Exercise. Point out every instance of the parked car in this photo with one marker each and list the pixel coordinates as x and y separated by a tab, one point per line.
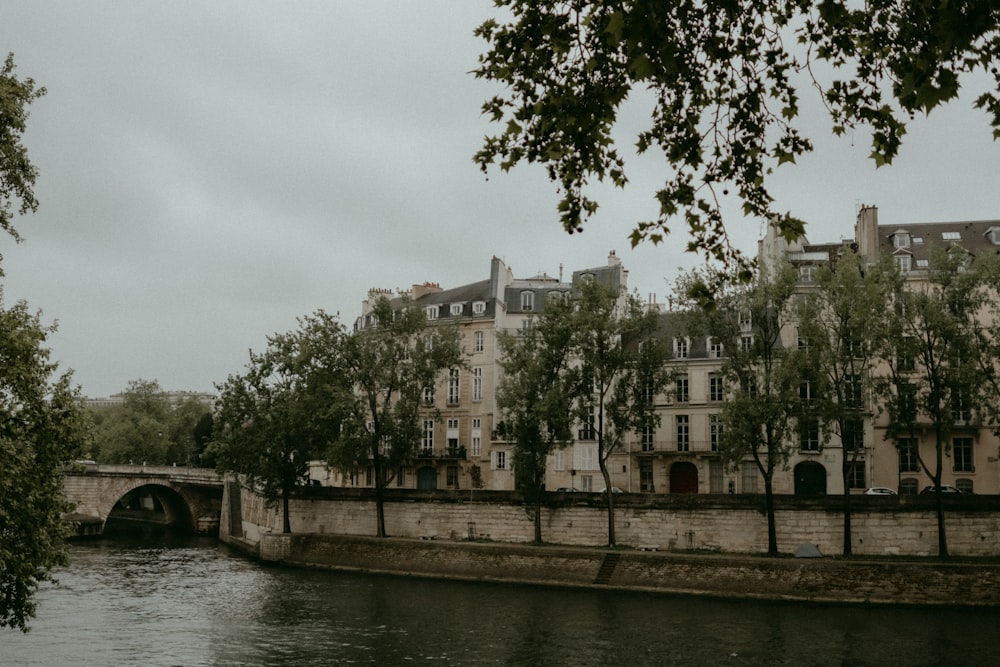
944	488
880	491
567	489
614	489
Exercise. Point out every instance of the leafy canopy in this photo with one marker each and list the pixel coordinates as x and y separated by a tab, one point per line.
725	77
17	174
41	428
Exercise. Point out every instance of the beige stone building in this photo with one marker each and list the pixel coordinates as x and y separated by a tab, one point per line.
464	448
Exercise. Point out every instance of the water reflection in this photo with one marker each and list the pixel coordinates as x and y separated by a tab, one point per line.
154	599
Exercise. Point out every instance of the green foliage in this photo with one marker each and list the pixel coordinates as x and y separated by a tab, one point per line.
938	365
146	428
534	396
41	428
283	411
762	372
17	174
837	323
386	368
725	78
618	368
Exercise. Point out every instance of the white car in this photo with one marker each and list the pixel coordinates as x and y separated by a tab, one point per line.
880	491
614	489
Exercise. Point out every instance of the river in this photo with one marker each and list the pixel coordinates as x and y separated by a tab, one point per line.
145	597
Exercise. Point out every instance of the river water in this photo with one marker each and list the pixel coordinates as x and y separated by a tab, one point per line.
150	598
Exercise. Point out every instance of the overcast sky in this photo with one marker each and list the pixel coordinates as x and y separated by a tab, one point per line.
209	171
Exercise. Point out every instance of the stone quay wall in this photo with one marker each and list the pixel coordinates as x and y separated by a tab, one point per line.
894	526
718	576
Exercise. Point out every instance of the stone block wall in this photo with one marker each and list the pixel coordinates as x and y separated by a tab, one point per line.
903	527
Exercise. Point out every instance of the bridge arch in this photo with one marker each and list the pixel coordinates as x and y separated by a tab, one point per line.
177	509
191	498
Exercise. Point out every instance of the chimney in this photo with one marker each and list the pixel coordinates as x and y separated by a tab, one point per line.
866	233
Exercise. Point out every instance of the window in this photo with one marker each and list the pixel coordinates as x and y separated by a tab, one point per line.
906	403
714	348
854	434
478	307
429	342
807	273
806	392
803	342
960	410
746	344
964	485
681	392
906	359
477	437
646	476
477	341
749	476
586	457
527	300
500	460
646	438
853	391
431	312
586	483
903	263
456	309
715	387
961	453
683	433
428	395
715	476
453	386
427	444
908	487
682	348
714	433
808	434
746	322
901	240
587	430
908	461
452	435
401	476
856	475
951	236
558	460
477	383
452	477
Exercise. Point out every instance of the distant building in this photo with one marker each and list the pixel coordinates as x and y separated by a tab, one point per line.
175	398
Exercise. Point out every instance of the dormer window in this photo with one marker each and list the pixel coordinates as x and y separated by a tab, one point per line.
993	234
901	240
478	307
432	312
527	301
456	309
903	263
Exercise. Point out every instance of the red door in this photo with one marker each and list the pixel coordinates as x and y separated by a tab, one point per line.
683	478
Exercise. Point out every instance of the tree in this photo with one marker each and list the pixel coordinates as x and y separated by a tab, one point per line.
137	431
282	412
41	429
387	367
725	82
534	397
836	324
934	374
766	377
17	174
619	367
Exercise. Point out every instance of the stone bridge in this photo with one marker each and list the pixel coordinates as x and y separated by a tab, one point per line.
191	498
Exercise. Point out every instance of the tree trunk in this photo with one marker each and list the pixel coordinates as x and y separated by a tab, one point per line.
610	497
847	509
538	516
772	533
286	526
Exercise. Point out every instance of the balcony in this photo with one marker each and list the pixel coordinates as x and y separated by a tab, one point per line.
442	453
